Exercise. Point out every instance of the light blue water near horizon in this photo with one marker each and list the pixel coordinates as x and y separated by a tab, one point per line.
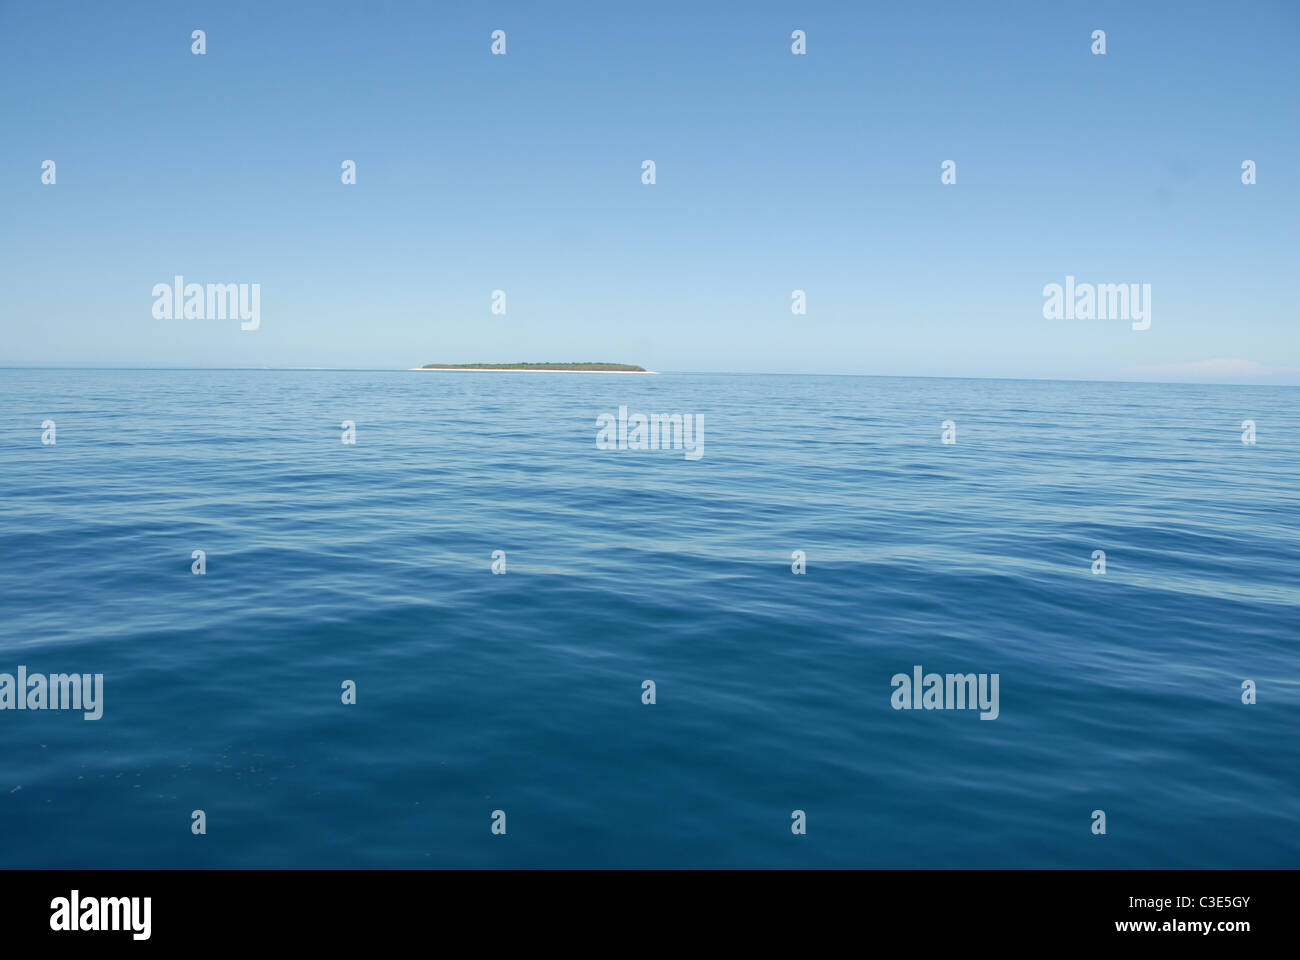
328	562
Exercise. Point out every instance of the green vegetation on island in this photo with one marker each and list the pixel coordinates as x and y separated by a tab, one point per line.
595	367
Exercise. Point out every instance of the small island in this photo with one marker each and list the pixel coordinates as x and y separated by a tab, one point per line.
588	367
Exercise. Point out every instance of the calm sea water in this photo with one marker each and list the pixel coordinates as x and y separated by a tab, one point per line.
522	692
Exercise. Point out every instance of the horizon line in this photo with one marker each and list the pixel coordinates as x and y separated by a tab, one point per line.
725	373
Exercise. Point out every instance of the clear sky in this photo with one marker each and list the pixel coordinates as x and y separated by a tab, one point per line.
774	172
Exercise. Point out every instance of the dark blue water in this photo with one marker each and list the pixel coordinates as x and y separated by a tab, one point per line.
522	692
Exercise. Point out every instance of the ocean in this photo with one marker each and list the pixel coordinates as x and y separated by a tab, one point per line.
516	700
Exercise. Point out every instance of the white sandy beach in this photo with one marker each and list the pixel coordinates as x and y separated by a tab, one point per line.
637	373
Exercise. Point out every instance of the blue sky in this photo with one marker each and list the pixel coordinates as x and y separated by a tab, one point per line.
775	172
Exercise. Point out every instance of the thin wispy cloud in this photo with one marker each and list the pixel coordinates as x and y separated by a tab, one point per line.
1220	368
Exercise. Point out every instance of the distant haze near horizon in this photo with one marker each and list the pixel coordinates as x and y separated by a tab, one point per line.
1189	381
775	173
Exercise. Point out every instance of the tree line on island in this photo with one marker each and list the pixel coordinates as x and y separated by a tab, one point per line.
611	367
